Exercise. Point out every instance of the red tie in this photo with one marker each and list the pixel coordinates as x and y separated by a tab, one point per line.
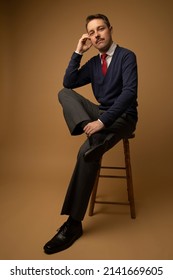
104	63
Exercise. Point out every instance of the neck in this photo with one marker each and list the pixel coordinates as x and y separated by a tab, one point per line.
106	48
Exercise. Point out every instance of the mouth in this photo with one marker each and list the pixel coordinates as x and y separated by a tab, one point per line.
99	41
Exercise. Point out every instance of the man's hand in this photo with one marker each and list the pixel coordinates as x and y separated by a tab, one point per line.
84	44
93	127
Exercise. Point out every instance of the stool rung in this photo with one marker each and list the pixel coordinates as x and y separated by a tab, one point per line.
113	167
112	202
113	176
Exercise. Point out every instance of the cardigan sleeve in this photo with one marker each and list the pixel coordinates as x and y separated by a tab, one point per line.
75	76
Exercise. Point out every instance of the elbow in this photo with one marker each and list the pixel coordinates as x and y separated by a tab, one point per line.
66	84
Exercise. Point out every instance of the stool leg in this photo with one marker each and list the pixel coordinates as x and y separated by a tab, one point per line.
93	195
129	178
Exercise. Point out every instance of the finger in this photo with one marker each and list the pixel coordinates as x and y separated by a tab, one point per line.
85	36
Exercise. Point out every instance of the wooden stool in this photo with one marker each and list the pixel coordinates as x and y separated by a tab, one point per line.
128	176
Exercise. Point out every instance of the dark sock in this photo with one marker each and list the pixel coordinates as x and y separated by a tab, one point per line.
84	123
79	128
73	221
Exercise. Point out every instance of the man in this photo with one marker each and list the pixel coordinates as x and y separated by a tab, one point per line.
113	76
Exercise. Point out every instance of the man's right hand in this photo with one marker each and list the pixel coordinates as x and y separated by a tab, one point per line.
84	44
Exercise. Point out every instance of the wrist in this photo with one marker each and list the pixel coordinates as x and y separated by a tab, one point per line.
78	52
101	122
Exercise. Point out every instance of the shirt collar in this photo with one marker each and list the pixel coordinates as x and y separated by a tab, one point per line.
111	49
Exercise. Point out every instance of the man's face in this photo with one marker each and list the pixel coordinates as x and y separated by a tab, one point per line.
99	34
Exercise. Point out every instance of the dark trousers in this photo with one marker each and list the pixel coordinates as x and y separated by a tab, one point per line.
77	109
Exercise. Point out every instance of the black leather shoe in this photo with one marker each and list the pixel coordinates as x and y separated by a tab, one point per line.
66	236
95	151
98	149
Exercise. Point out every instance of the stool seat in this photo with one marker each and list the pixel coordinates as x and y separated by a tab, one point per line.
127	176
130	136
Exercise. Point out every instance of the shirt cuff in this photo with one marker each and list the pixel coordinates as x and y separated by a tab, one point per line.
78	53
100	121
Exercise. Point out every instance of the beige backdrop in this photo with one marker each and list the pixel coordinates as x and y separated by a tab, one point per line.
37	152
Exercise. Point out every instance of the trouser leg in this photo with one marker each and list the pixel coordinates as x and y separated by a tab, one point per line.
85	172
76	109
81	185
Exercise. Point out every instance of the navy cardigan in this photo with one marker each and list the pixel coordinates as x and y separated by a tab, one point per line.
116	92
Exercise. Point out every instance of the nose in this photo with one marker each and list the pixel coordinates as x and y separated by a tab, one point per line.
97	35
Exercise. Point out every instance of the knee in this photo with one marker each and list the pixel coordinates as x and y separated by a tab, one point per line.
61	94
67	95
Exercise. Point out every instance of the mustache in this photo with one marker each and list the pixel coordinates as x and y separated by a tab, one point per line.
99	40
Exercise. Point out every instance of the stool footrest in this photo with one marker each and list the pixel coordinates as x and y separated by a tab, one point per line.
113	167
112	202
113	176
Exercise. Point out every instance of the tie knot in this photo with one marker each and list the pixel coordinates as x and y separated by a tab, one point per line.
103	56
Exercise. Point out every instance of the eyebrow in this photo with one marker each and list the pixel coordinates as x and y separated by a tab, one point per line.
103	25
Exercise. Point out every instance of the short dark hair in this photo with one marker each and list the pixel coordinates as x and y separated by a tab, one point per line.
98	16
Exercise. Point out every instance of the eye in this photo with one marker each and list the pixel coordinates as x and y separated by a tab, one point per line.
101	28
91	33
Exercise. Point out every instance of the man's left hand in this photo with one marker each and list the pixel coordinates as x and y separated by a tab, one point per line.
93	127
